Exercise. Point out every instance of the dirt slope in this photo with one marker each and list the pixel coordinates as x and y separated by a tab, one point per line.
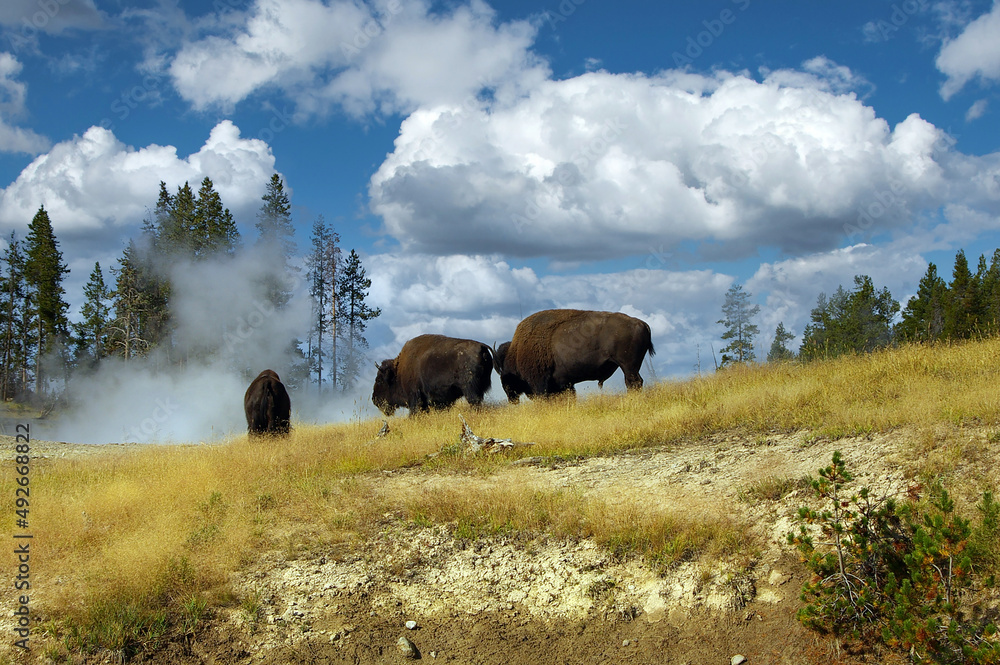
493	601
496	601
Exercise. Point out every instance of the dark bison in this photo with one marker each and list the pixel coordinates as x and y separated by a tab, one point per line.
555	349
267	405
433	371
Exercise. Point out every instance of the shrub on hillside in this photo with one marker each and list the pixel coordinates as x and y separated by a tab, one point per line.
896	573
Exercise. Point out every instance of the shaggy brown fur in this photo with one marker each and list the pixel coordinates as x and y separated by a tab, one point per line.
267	406
554	349
433	371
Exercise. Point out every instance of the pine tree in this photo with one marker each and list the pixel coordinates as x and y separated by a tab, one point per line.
274	220
779	352
295	376
126	334
324	264
353	317
181	226
828	333
923	317
962	310
868	325
275	231
92	332
176	222
856	321
814	337
157	322
157	225
214	229
737	313
990	296
154	249
44	271
16	349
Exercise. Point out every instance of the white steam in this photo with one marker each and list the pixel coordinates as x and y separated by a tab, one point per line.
225	333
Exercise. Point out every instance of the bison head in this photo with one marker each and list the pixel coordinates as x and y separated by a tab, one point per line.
514	386
385	386
499	356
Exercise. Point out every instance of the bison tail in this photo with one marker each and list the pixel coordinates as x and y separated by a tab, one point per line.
265	408
483	380
649	340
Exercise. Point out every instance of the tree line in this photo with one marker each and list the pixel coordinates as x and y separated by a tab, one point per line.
132	313
863	318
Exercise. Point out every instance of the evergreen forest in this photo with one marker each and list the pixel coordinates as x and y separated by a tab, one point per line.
131	310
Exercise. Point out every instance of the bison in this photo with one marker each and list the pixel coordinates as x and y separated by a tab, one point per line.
267	405
433	371
555	349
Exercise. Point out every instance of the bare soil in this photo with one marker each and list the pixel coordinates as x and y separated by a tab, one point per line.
542	600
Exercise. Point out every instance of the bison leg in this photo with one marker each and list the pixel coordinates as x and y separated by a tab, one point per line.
633	381
554	387
472	395
513	388
417	402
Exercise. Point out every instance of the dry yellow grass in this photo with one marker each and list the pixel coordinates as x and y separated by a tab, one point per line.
149	531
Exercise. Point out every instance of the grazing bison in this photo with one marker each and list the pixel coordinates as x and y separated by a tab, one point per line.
556	348
433	371
267	405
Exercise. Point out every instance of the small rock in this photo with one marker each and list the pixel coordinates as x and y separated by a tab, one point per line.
411	625
737	660
625	643
409	649
777	578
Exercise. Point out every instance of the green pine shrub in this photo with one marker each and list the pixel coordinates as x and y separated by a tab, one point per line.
897	574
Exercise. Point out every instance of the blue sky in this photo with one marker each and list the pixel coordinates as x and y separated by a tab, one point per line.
491	160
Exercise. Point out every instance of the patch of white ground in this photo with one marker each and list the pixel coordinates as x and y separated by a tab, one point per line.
425	572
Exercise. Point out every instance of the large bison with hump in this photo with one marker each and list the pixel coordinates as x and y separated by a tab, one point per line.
267	406
433	371
555	349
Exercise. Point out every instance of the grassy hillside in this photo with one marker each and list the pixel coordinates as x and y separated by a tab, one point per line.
136	545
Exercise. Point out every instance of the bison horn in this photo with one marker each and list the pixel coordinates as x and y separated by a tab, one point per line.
377	366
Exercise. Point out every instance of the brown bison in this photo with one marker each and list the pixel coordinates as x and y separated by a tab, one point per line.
555	349
267	405
433	371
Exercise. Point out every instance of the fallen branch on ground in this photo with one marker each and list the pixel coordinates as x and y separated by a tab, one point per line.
490	444
381	434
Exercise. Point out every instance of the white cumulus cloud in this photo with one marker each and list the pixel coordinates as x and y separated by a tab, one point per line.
362	57
12	106
607	165
974	53
94	182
